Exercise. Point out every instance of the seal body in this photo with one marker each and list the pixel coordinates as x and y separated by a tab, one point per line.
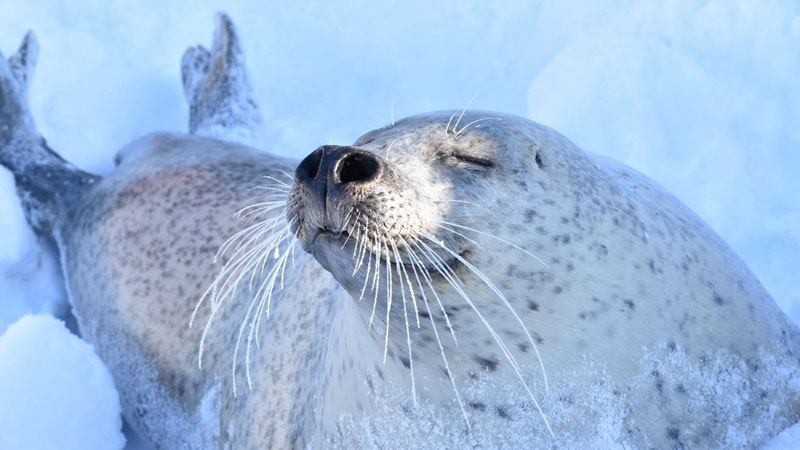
595	260
456	279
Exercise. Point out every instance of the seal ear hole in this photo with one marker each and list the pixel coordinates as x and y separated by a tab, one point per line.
538	159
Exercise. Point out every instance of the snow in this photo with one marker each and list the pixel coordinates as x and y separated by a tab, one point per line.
29	278
702	96
788	440
55	391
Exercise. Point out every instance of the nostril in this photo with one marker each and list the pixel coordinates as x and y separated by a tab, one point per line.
357	168
309	166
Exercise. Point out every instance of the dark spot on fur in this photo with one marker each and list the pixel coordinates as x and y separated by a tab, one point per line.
487	364
406	362
523	347
718	300
503	413
477	406
538	159
629	303
673	433
672	346
652	265
557	290
533	306
658	381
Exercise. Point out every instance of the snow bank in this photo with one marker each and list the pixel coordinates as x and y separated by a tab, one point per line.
704	98
55	393
30	278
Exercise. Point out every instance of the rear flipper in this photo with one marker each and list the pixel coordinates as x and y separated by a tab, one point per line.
46	183
217	88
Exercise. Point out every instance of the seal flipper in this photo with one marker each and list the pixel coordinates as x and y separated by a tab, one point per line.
218	90
46	183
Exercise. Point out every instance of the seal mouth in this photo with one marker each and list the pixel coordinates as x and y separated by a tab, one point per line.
326	232
442	269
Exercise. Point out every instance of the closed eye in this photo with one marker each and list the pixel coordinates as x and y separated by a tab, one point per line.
473	160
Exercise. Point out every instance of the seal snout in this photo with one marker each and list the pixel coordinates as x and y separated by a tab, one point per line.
330	177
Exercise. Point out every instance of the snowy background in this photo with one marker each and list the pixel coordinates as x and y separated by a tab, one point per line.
702	96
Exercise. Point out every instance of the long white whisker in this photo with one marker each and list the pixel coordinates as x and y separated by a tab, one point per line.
473	122
405	316
462	235
213	289
497	337
376	280
436	334
277	181
455	126
498	239
435	295
388	302
290	177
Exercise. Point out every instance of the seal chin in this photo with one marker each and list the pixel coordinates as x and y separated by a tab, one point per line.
326	246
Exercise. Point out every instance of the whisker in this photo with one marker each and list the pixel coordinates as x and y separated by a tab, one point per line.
447	127
388	302
290	177
350	233
277	180
473	122
366	276
455	126
462	235
498	339
408	280
428	279
436	334
376	279
498	239
346	220
405	316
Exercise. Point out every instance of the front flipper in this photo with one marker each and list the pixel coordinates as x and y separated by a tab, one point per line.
218	90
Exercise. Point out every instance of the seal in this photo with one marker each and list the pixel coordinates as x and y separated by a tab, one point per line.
468	279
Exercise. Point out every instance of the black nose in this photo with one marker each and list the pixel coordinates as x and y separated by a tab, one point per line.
328	170
331	166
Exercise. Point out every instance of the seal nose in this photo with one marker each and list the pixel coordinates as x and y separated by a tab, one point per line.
337	165
329	169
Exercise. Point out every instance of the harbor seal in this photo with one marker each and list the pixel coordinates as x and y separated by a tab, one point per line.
454	279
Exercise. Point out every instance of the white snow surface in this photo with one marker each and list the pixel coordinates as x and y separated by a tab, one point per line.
55	393
702	96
